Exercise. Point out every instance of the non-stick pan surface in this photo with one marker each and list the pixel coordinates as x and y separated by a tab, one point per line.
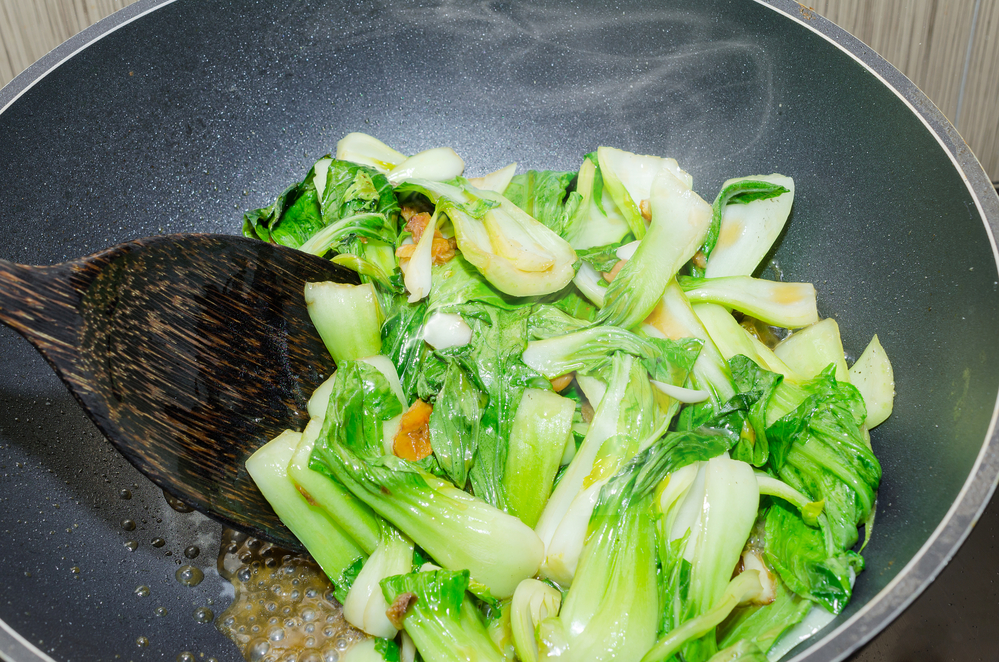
183	118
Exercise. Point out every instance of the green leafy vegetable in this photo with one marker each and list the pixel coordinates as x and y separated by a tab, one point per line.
752	242
442	621
543	196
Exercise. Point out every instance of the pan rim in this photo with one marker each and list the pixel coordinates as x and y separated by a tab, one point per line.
976	492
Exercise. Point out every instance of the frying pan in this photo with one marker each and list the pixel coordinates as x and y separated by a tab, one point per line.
177	116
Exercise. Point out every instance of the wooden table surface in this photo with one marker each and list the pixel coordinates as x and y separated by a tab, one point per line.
949	48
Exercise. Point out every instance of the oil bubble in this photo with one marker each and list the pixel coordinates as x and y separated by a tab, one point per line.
186	656
204	615
257	650
188	575
142	642
142	591
124	494
176	503
160	611
158	542
192	552
128	525
131	545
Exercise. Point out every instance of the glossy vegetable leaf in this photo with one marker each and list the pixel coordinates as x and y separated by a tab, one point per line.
601	258
454	424
543	195
442	621
596	220
806	561
457	282
492	361
827	457
294	217
590	349
741	191
361	402
352	189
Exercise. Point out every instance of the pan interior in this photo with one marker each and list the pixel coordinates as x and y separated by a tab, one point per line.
200	110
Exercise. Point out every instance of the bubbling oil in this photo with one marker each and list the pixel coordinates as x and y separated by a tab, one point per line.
284	606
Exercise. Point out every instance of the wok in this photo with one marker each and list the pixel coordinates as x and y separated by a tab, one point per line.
176	116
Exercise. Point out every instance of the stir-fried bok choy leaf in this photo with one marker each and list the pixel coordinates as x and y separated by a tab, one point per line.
435	609
567	421
679	220
748	215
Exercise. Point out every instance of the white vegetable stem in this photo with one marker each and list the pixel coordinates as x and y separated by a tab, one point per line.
331	305
748	231
365	605
445	330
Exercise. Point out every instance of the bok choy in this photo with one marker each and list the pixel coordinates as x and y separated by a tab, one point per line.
567	421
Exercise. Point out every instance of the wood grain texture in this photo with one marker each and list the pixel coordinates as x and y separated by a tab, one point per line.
928	41
979	120
31	28
189	352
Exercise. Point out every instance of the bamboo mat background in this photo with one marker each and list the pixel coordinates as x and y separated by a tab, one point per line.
949	48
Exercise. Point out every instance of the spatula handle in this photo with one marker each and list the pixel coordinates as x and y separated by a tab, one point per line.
42	304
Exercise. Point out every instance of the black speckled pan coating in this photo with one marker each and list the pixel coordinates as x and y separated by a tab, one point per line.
200	109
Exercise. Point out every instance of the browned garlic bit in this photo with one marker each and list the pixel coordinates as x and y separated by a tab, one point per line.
645	206
284	607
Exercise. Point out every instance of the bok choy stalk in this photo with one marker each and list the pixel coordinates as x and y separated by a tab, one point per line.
612	609
332	547
597	221
732	340
497	180
435	610
533	602
709	509
873	376
809	350
515	253
628	178
747	217
788	305
674	318
437	164
626	422
329	304
359	521
541	428
365	607
458	530
679	220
